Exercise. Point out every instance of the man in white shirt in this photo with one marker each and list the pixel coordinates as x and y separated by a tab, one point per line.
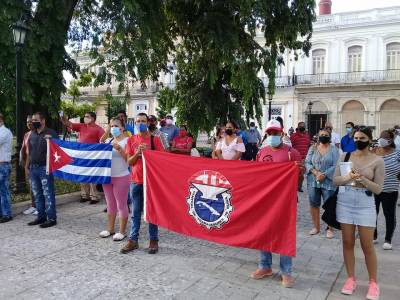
5	172
335	138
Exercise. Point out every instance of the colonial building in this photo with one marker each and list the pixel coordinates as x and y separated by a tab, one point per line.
352	73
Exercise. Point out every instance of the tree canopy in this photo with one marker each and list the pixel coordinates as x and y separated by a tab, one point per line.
211	42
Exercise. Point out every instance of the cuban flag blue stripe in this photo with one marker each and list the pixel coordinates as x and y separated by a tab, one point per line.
82	178
91	163
82	146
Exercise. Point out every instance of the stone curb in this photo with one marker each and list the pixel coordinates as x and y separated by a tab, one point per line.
18	208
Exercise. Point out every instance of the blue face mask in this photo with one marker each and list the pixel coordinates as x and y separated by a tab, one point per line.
349	130
115	131
274	140
140	127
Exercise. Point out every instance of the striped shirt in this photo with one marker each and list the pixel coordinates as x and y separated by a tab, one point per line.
392	170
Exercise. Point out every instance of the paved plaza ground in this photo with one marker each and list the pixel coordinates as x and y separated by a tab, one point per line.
70	261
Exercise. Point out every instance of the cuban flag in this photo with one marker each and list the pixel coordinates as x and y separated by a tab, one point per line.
79	162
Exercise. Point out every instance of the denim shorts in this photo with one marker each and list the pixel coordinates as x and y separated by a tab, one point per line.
315	195
354	206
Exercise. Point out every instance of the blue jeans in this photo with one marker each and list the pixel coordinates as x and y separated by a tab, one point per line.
136	195
285	262
315	195
43	192
5	196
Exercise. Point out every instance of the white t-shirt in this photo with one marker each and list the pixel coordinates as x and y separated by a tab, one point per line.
119	167
335	138
229	151
397	142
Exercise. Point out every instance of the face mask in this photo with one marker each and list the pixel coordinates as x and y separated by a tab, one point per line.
324	139
228	131
115	131
86	120
384	142
360	145
36	125
274	140
349	129
302	129
168	121
252	128
182	133
398	131
152	127
141	127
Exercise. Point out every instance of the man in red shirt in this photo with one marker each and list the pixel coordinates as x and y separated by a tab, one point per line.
142	140
89	133
301	142
276	151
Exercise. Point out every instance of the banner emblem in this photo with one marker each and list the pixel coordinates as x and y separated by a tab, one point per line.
209	199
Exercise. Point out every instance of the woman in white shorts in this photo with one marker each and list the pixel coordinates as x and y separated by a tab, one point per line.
356	208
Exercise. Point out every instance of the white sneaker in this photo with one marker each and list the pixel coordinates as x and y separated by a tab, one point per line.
105	234
376	241
387	246
118	237
35	213
29	211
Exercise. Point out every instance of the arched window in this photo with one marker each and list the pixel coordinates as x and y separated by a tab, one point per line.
318	57
354	54
393	56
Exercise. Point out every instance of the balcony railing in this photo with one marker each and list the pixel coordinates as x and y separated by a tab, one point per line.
348	77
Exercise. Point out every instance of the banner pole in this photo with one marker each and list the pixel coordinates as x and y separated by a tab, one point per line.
144	187
48	157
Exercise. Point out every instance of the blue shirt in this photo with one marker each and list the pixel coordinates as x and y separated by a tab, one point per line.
171	132
347	144
253	136
242	134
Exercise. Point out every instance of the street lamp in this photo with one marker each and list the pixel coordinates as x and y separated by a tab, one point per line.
270	95
309	107
109	98
19	32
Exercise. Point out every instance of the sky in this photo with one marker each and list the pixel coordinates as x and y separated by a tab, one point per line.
339	6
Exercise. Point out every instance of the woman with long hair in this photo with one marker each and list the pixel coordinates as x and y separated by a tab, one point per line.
356	206
390	191
231	146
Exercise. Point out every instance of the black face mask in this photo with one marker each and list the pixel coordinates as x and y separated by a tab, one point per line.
152	127
360	145
324	139
229	131
36	125
302	129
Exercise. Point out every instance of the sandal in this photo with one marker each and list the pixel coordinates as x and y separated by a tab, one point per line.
313	231
105	234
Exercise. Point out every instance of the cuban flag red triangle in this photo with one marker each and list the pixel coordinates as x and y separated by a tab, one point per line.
57	158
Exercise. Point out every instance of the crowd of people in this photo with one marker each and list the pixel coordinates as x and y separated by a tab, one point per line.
371	181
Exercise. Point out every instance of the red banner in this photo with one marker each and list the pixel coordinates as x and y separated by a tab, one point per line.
236	203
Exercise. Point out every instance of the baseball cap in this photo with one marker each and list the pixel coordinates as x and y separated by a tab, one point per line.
273	125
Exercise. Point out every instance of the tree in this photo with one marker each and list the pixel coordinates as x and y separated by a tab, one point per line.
212	43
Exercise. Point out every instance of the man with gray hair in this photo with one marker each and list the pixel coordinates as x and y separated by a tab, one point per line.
5	172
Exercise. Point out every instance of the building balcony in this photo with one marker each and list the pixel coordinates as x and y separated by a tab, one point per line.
348	77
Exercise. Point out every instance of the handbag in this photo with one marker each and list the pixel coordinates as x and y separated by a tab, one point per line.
329	215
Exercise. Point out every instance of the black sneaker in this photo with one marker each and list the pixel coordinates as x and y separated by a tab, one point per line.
84	199
48	223
94	201
36	222
5	219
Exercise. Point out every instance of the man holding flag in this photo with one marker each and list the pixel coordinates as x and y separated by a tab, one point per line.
276	151
142	140
42	183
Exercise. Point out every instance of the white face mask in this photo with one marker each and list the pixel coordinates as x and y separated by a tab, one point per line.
384	142
168	121
398	131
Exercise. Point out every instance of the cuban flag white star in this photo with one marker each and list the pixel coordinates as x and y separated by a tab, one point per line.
56	157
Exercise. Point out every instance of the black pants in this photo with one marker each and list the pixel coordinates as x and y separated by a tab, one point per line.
388	201
251	151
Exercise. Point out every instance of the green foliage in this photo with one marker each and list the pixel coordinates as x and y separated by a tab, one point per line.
74	110
115	104
212	42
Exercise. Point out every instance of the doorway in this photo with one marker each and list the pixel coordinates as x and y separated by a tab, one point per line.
316	122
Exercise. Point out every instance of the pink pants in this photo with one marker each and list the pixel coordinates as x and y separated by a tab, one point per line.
117	195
